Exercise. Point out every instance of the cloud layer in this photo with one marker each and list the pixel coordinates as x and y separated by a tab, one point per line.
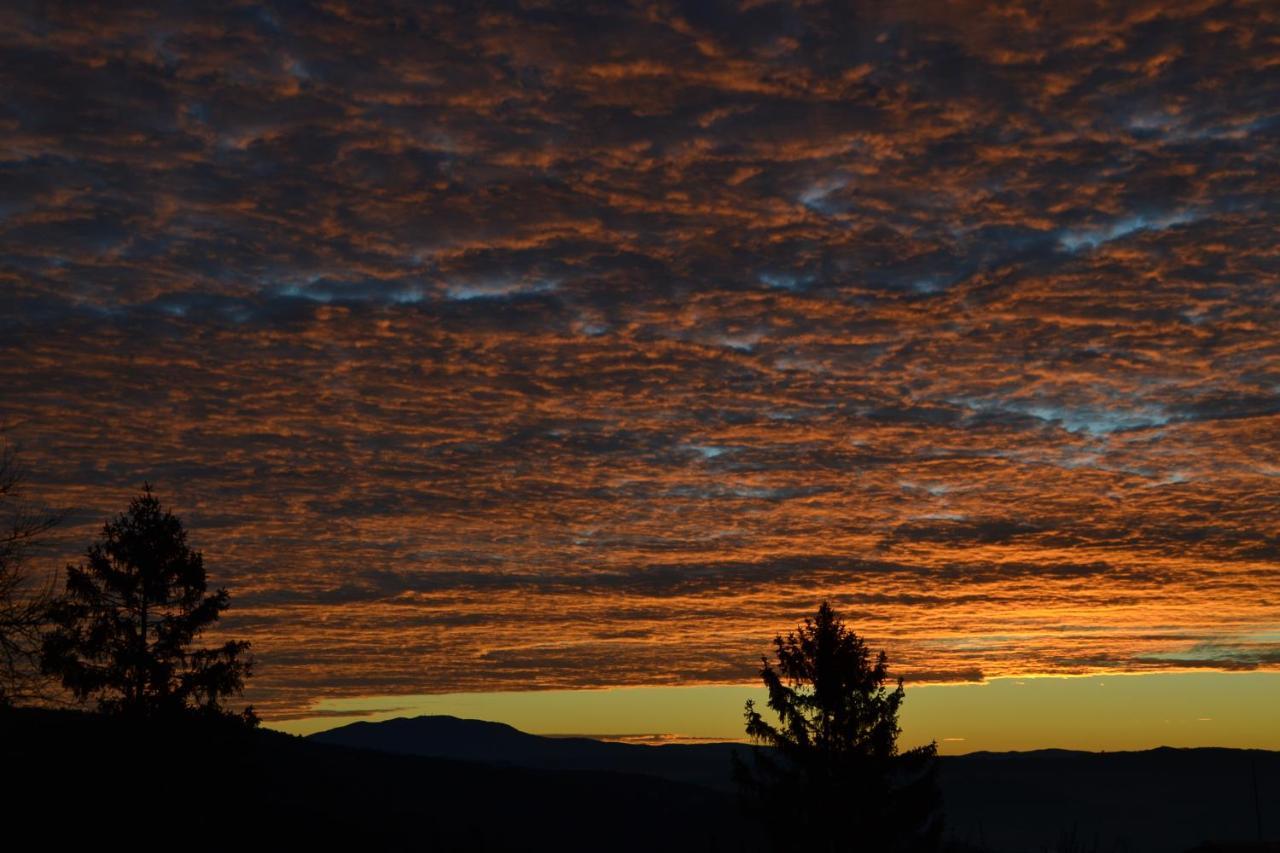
575	346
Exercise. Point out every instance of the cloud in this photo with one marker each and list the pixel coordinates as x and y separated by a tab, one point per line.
533	348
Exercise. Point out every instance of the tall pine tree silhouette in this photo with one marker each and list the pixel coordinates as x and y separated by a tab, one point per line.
123	633
834	779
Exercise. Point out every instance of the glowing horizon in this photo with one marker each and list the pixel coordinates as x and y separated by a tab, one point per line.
1094	713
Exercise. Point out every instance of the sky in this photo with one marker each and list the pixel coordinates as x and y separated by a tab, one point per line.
1108	713
578	347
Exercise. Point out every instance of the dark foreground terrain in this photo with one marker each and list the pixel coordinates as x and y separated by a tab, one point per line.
1054	800
78	781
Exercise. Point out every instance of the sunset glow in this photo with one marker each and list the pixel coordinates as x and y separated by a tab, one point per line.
1112	713
526	351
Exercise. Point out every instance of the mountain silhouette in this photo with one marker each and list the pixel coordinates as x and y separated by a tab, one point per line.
472	785
497	743
1160	800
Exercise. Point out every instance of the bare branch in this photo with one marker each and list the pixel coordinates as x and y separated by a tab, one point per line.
24	598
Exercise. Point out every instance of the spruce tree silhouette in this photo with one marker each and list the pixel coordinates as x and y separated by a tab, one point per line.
834	780
124	629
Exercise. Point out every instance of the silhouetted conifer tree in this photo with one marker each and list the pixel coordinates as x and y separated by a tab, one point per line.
124	630
834	780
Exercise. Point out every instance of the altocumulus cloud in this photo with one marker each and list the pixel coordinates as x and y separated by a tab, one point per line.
571	346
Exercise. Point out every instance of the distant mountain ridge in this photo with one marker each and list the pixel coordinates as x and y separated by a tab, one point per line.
1164	799
498	743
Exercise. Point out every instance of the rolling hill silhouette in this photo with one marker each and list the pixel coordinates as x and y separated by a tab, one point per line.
77	779
497	743
1156	800
80	781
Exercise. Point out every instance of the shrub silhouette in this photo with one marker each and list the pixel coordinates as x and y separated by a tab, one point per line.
124	629
834	779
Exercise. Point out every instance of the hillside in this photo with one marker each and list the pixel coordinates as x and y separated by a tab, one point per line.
478	740
1156	800
80	781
